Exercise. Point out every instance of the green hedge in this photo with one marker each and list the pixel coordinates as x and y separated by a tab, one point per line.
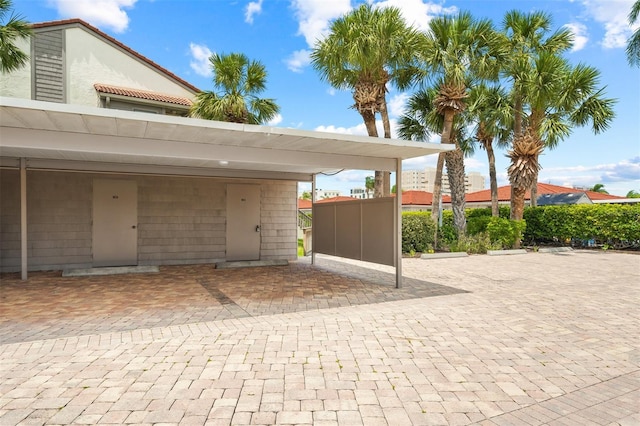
603	223
417	231
613	224
505	232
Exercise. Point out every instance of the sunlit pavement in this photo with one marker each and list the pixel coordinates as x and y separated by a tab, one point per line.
528	339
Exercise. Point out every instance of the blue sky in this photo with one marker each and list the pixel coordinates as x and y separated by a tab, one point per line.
179	35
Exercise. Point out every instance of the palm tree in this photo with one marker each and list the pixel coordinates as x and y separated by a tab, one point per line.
490	108
458	50
239	81
565	97
11	57
369	184
559	97
366	49
524	38
633	44
599	188
306	195
419	121
527	37
633	194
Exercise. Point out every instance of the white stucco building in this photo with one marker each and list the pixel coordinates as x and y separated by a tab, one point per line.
423	180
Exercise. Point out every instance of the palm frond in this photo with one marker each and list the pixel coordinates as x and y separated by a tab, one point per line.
16	27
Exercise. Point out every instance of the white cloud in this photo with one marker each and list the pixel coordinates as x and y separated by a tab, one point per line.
625	173
200	62
314	15
253	8
275	120
396	104
360	129
613	15
298	60
420	163
580	35
616	35
100	13
418	13
475	165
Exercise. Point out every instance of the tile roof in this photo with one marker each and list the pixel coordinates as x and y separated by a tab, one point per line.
417	198
420	198
304	204
76	21
142	94
338	198
504	193
423	198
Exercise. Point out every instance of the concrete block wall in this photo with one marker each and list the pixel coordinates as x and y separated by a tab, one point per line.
278	210
9	220
180	220
58	220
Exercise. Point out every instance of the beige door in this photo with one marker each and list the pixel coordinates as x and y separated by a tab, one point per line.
243	222
115	222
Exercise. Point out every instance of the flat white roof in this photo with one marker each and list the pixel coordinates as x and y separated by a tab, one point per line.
64	136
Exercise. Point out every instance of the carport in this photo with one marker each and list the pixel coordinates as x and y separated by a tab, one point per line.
42	136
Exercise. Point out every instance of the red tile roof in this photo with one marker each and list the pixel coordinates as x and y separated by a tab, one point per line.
304	204
417	198
504	193
423	198
142	94
338	198
76	21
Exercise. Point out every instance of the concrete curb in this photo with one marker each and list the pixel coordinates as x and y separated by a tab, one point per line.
251	263
554	249
113	270
443	255
506	252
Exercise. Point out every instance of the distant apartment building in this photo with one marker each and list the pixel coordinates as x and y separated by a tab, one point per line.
360	193
423	180
327	193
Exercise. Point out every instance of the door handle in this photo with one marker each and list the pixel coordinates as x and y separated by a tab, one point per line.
257	228
133	227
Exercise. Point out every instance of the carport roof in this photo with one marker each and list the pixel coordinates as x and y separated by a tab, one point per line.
63	136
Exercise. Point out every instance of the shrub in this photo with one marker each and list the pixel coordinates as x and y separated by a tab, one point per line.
613	224
474	244
478	224
506	232
417	231
447	233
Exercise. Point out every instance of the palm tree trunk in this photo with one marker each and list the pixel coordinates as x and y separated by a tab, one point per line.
493	180
437	197
386	124
455	160
378	189
447	126
369	118
534	190
518	205
455	171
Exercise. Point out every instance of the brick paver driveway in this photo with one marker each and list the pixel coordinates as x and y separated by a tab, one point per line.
530	339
